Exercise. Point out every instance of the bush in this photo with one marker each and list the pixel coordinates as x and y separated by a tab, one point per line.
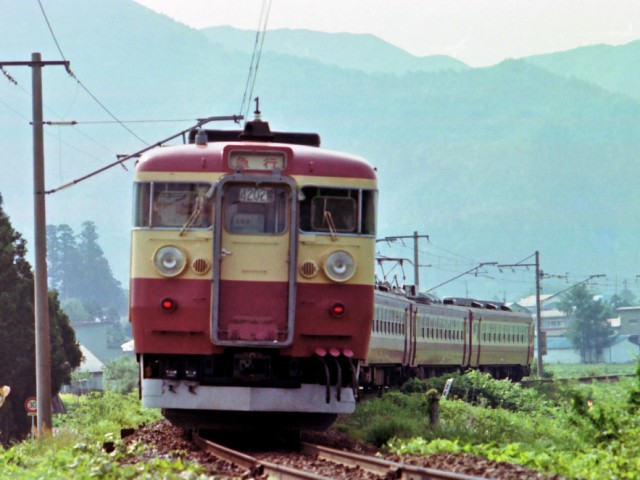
480	389
99	414
121	375
75	451
590	431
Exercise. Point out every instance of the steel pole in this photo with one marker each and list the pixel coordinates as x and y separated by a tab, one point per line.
41	294
538	315
416	261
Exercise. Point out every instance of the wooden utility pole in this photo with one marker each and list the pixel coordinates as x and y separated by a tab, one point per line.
41	293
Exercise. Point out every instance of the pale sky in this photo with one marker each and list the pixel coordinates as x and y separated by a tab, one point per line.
477	32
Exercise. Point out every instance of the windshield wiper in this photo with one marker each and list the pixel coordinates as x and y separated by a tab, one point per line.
197	209
328	218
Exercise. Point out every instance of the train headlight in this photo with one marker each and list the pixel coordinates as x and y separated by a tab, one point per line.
340	266
170	261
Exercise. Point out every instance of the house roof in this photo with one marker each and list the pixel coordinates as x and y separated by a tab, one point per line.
90	362
628	309
530	301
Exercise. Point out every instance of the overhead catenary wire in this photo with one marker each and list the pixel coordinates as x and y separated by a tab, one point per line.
255	58
84	87
123	159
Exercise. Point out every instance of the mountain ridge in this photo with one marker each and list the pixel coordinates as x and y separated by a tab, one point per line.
494	162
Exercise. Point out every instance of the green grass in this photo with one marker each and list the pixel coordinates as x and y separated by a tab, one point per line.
559	370
75	451
574	430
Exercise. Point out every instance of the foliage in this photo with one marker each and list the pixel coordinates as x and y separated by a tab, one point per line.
118	333
480	389
121	375
588	431
79	270
589	332
17	342
76	450
634	393
76	311
98	414
626	298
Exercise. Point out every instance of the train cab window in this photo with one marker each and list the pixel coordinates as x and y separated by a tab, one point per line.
338	210
173	205
256	209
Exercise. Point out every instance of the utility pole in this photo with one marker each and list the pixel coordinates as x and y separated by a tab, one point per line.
416	262
539	314
41	294
539	275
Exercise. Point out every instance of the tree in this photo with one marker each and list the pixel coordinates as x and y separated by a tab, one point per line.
76	311
589	331
99	283
78	269
63	262
121	375
17	334
625	298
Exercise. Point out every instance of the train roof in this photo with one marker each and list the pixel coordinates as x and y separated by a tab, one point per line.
208	151
256	131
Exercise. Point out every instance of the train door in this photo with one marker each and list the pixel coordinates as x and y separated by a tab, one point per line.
253	293
474	343
410	336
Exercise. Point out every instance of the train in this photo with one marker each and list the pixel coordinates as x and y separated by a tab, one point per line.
252	278
416	335
253	295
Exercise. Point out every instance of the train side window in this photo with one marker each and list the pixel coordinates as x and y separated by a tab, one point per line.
142	204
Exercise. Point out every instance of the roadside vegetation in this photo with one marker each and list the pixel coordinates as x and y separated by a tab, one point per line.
77	449
589	370
586	431
579	431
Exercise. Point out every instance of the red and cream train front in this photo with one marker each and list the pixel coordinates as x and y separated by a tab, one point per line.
252	277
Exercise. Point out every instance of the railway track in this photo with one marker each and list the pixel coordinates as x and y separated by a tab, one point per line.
351	465
596	378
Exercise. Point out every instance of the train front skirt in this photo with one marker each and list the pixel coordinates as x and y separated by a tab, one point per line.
308	398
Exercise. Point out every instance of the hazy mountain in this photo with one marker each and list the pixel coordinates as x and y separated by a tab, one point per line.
612	68
493	163
365	53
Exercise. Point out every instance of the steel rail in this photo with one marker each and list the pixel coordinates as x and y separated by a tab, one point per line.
379	466
385	468
256	467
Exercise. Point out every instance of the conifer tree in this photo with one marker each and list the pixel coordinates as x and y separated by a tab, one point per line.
17	334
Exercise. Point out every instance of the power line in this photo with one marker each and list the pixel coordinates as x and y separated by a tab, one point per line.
124	158
98	122
73	75
255	57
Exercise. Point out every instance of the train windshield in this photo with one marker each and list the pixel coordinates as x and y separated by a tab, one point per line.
256	209
338	210
173	205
